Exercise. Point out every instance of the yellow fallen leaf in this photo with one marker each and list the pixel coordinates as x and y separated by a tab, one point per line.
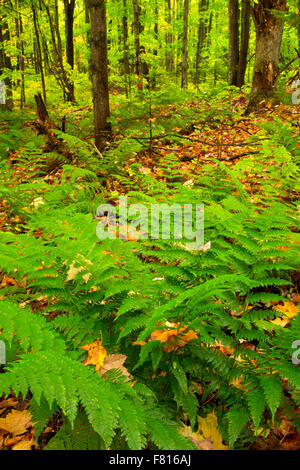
288	308
206	433
208	428
16	422
196	439
96	354
289	311
280	321
261	432
25	444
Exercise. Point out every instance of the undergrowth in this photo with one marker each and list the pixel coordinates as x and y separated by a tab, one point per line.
236	361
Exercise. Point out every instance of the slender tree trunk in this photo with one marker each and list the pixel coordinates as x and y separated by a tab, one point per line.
57	30
179	20
125	48
88	35
38	50
169	38
22	65
156	28
20	59
244	42
137	31
5	63
202	32
299	36
233	52
58	64
69	6
35	55
269	30
47	66
155	50
184	66
141	65
102	128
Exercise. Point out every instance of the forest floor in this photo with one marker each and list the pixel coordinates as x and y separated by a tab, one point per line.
203	141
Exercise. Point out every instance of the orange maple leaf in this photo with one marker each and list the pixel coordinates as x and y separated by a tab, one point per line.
174	335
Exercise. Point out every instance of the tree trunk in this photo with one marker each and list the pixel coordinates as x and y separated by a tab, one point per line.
102	128
20	59
299	36
125	48
169	39
269	30
6	104
137	31
202	32
184	66
244	43
141	65
58	64
38	50
69	24
57	31
233	52
155	50
22	65
88	35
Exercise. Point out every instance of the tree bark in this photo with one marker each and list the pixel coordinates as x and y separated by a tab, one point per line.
141	66
137	30
69	6
244	42
299	36
57	31
102	128
87	21
125	48
136	27
38	50
233	52
184	65
269	30
202	32
169	39
20	59
58	64
5	63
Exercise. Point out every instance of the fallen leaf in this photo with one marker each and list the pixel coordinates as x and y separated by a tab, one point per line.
288	308
193	436
9	403
292	442
115	361
208	428
25	444
207	436
289	311
16	422
96	354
